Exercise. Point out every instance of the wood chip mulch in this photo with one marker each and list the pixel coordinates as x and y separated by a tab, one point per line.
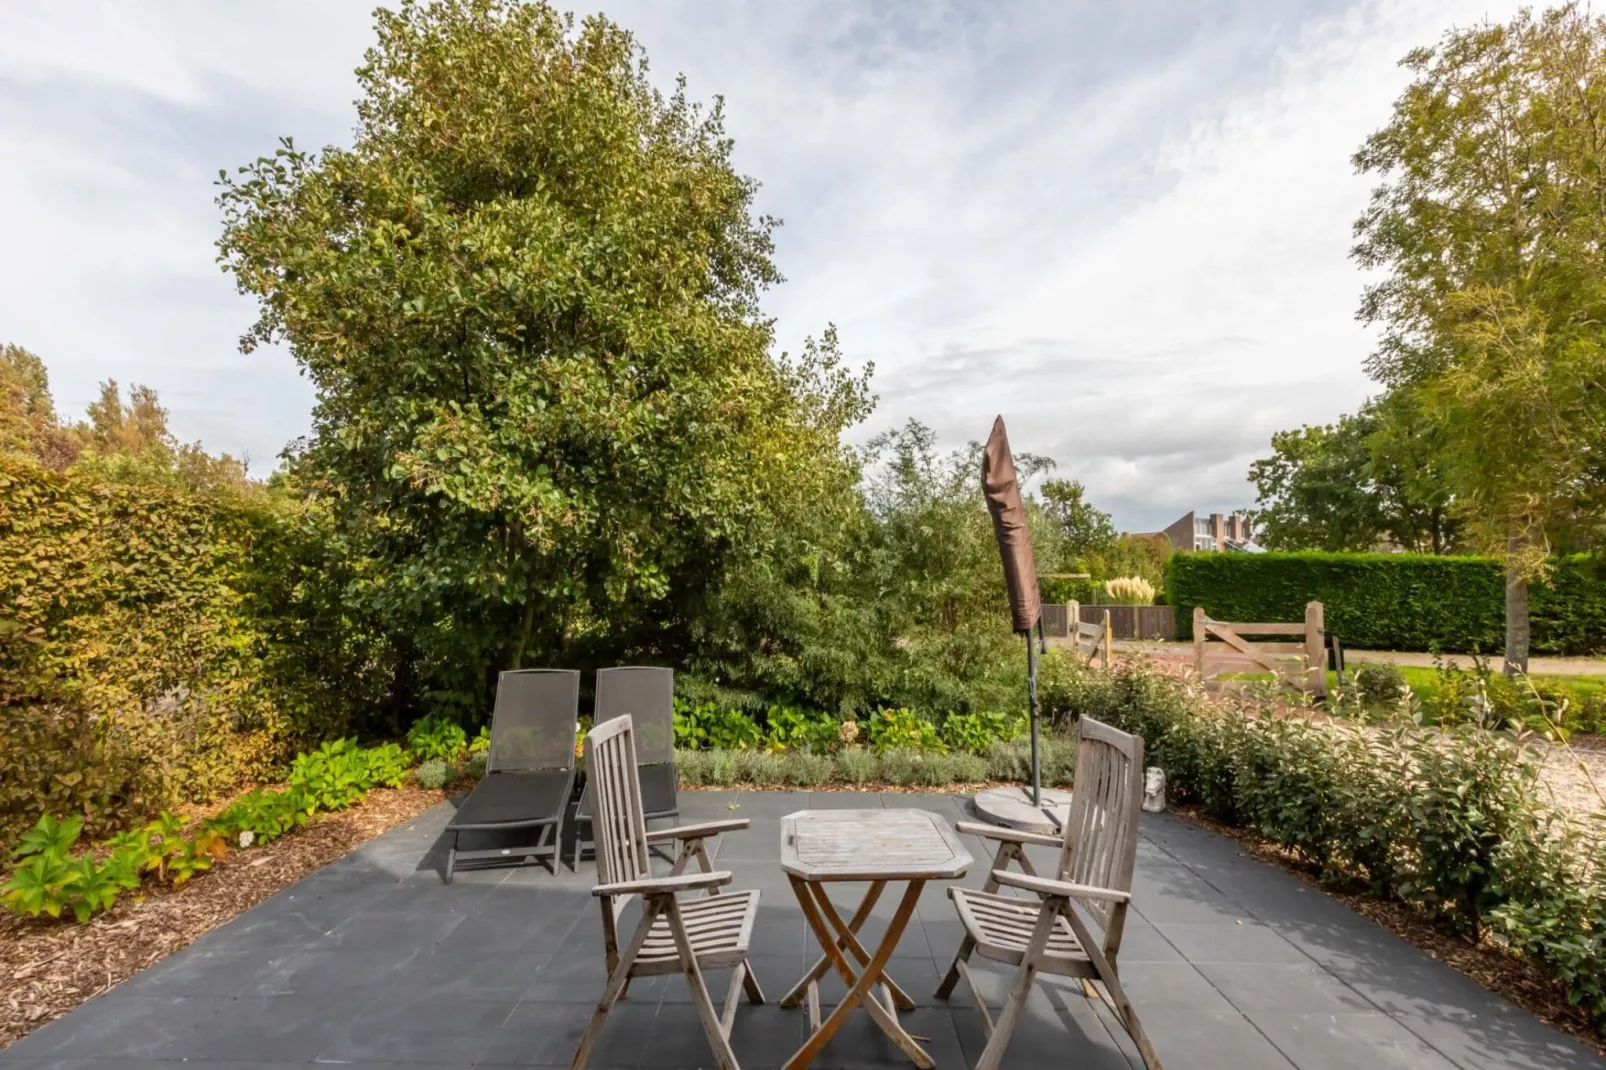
1485	961
49	966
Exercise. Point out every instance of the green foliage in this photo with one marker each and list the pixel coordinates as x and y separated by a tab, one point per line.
431	774
1012	760
708	725
549	417
437	737
1393	601
975	733
159	644
791	728
1379	684
332	777
1448	820
47	879
481	743
1488	281
903	729
1373	477
856	765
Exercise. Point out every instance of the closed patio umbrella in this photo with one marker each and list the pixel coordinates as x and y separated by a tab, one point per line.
1002	490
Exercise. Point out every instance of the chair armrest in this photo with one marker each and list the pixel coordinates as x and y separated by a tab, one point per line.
686	882
1064	889
700	831
998	832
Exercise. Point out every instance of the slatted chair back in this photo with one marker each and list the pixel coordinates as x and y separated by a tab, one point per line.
647	693
618	823
1101	836
534	721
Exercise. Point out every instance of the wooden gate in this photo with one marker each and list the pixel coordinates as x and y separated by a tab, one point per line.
1090	640
1223	646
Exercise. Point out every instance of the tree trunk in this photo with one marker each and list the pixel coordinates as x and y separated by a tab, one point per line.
1517	630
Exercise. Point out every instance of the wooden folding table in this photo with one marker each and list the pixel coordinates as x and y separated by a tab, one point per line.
819	847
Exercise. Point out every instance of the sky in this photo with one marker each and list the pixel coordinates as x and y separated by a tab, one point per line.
1124	226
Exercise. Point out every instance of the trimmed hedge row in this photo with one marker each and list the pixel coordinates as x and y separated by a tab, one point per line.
1393	601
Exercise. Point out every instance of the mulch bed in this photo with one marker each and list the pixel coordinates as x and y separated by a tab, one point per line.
1485	961
49	966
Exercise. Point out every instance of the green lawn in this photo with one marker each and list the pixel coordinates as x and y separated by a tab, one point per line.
1424	682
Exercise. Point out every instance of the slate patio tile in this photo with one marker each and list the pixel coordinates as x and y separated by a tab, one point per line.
276	1028
1504	1038
418	930
118	1026
453	1031
1162	987
332	971
1344	1041
546	1034
1284	988
1208	1040
202	971
1230	941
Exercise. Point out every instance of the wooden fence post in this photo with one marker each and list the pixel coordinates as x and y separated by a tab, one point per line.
1108	645
1073	617
1198	641
1315	651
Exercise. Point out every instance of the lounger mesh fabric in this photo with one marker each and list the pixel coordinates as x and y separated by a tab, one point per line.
648	695
525	735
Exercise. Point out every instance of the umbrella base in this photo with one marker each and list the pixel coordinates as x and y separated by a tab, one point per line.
1012	808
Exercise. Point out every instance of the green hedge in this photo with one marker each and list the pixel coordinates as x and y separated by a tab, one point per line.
1392	601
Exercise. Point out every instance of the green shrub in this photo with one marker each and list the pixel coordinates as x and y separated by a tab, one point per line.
431	775
806	769
1448	820
159	645
711	725
724	769
791	728
974	733
760	767
856	765
1392	601
1012	760
436	737
691	767
903	729
1378	684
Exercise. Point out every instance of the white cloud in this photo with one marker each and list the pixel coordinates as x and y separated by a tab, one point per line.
1126	229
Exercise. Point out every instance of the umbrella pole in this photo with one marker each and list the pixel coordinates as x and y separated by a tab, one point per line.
1031	697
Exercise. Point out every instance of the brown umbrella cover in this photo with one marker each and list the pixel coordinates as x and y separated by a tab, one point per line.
1002	490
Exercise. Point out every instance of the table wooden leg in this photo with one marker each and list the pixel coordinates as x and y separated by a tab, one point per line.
848	936
795	996
860	987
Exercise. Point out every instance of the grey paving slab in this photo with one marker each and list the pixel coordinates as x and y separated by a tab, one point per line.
374	962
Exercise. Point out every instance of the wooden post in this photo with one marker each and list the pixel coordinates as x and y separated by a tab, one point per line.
1108	648
1073	617
1315	652
1198	641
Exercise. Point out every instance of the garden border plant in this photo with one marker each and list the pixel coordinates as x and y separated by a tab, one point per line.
51	876
1444	820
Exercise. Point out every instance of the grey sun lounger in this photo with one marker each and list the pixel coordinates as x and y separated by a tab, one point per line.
529	773
648	695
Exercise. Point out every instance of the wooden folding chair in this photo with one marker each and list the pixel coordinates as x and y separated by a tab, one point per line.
688	937
1050	934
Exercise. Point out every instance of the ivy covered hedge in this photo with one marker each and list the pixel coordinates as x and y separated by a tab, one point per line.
159	645
1393	601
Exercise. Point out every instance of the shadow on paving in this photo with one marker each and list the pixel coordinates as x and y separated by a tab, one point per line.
373	961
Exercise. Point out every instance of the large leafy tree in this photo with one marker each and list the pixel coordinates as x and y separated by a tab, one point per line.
527	296
1372	478
1489	233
